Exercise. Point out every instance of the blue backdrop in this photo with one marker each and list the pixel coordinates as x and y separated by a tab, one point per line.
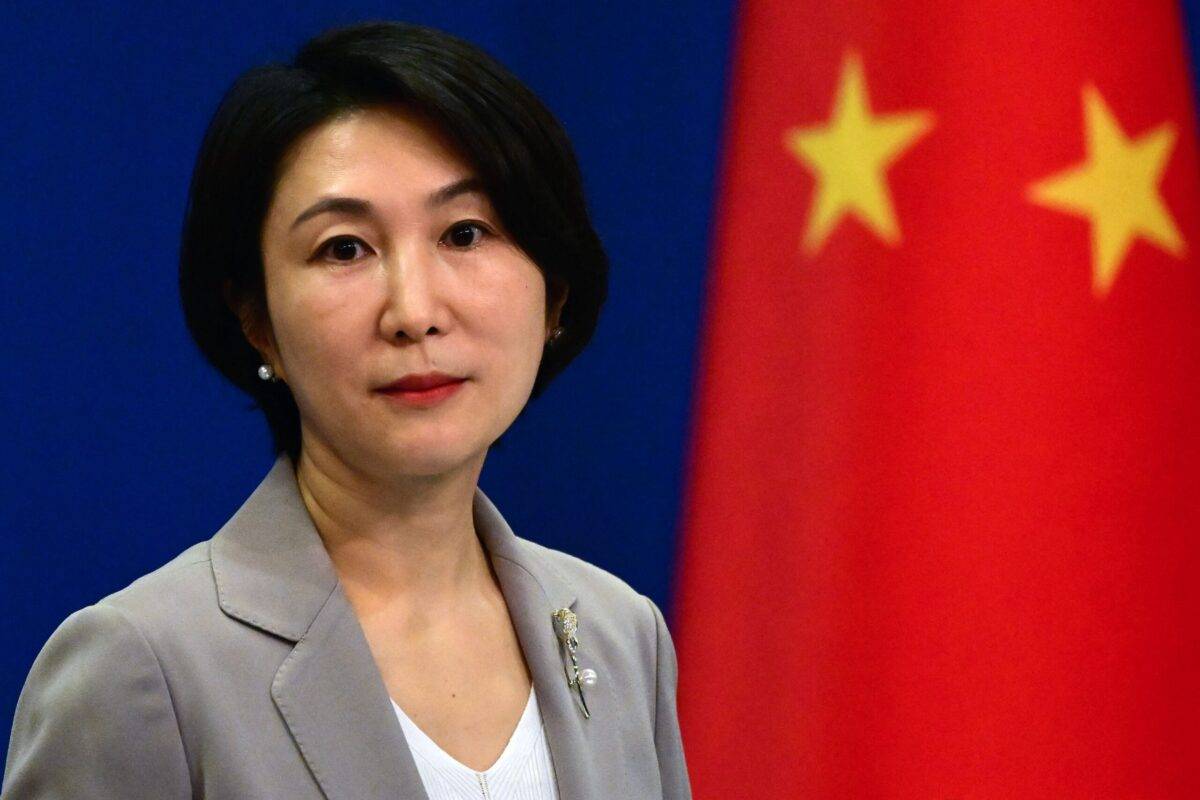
122	447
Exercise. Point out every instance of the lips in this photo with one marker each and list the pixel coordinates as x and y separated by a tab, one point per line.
419	382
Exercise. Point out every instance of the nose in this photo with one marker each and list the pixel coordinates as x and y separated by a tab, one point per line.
413	309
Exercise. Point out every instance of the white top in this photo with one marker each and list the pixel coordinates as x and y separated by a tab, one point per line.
522	772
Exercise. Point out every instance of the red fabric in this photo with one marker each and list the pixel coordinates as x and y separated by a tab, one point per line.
941	519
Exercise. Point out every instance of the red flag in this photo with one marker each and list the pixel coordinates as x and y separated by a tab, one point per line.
940	530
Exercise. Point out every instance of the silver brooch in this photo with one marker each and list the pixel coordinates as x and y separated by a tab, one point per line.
566	626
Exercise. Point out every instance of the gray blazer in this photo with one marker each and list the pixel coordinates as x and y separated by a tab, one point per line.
239	671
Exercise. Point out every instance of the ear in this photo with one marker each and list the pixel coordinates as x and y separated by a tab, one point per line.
554	306
256	327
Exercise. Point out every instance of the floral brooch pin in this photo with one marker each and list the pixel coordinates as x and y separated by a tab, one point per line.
566	626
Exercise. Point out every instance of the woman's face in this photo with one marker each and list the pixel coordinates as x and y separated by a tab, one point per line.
394	279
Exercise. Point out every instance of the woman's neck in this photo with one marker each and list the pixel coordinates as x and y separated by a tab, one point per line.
404	545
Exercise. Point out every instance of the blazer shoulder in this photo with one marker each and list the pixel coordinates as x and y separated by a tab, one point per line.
595	586
169	594
95	716
583	574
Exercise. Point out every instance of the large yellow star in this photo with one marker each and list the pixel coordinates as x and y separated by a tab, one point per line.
849	155
1116	189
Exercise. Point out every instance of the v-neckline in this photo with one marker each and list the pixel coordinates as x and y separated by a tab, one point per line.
518	741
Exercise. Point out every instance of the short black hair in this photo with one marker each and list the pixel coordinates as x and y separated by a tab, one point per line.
516	145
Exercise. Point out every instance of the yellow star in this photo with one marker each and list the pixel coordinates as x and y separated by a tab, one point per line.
849	155
1116	189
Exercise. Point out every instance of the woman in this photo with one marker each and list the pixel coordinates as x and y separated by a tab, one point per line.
387	247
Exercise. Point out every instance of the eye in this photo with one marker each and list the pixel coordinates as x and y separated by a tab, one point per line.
462	234
342	248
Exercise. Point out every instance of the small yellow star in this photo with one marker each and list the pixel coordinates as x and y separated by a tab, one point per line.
1116	189
849	155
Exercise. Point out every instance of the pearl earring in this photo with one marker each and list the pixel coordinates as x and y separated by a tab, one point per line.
267	373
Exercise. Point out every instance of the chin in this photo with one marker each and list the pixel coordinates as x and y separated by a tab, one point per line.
428	456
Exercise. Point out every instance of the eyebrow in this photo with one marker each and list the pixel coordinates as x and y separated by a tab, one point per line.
356	207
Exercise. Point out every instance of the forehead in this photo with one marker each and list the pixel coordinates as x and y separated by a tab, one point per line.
372	147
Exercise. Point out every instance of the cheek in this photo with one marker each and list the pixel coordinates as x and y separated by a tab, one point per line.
321	334
515	316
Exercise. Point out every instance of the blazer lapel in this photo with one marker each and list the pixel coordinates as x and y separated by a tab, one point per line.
273	572
333	699
533	589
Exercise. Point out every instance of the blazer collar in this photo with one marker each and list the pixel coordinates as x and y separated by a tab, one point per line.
272	572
